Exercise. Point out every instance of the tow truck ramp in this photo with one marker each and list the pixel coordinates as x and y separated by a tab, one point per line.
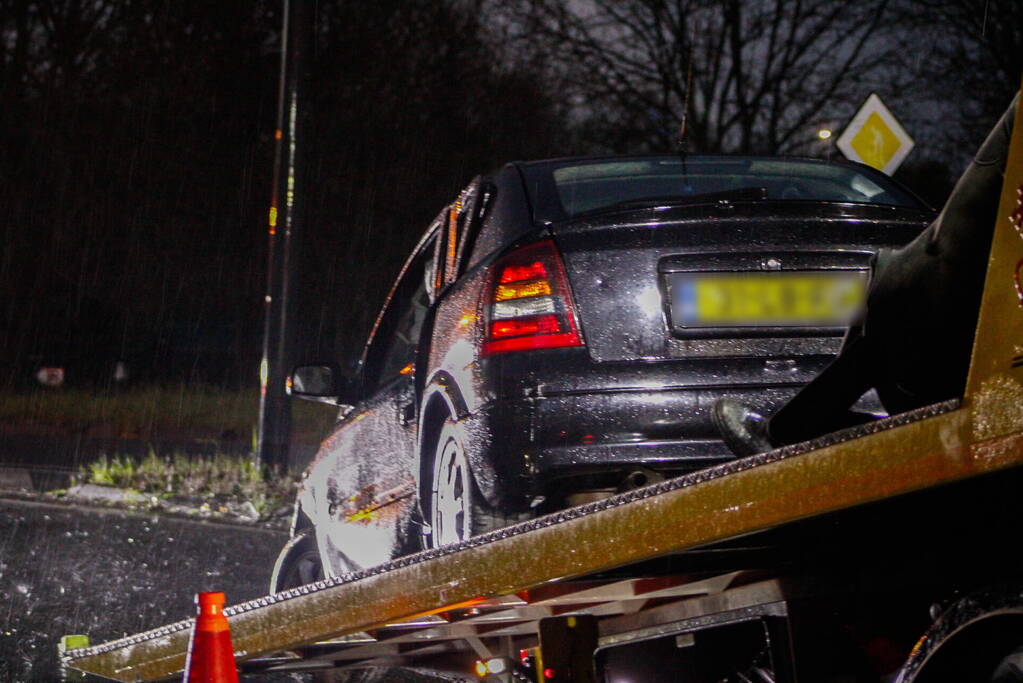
504	583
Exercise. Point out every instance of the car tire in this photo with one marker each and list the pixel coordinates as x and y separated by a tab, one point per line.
1010	668
297	564
457	510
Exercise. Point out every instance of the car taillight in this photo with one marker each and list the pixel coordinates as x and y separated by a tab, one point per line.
529	305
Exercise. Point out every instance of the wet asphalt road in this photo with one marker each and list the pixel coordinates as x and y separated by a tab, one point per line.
109	573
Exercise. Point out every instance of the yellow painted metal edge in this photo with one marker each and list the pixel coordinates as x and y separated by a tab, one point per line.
994	390
878	466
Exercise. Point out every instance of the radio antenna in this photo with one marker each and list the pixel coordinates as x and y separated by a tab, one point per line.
682	143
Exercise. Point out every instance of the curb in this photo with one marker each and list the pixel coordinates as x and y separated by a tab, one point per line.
16	484
15	478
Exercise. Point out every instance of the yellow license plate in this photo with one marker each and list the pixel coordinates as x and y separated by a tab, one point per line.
822	299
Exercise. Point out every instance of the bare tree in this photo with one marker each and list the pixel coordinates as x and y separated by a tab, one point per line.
967	59
756	75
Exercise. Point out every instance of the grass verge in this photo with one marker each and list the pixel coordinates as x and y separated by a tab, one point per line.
217	484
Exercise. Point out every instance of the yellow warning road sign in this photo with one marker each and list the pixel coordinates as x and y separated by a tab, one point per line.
875	137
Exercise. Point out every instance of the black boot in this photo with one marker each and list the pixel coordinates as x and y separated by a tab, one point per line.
743	430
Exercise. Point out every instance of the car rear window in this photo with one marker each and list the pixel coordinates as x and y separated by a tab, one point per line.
565	189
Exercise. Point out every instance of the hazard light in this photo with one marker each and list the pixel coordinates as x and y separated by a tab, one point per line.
495	666
529	304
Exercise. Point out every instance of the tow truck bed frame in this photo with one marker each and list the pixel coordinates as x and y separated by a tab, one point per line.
493	586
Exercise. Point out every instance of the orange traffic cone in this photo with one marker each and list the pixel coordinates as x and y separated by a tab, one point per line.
210	655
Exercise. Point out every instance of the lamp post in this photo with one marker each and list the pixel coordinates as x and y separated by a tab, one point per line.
284	221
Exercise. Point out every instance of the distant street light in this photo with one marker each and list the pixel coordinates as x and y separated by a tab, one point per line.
824	134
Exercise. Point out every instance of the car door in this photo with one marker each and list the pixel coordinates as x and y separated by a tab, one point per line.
363	481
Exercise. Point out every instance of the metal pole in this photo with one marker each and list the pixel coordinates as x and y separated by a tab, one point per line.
285	222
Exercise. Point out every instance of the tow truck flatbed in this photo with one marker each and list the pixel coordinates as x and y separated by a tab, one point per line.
415	605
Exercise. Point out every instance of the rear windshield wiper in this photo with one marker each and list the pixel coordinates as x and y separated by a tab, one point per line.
738	194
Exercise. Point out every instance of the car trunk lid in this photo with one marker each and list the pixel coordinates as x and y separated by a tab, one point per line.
631	271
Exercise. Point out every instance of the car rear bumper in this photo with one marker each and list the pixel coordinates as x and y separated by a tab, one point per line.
565	443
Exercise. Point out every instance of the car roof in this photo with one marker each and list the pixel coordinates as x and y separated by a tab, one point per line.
559	161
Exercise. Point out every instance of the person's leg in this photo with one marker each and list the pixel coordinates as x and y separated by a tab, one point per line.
823	405
820	407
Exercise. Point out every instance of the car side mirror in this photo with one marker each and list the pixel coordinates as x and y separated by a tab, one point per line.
321	382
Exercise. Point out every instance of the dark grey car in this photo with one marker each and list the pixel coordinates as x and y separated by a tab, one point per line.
562	330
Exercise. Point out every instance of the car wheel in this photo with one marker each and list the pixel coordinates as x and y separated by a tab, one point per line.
1010	669
298	563
457	509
